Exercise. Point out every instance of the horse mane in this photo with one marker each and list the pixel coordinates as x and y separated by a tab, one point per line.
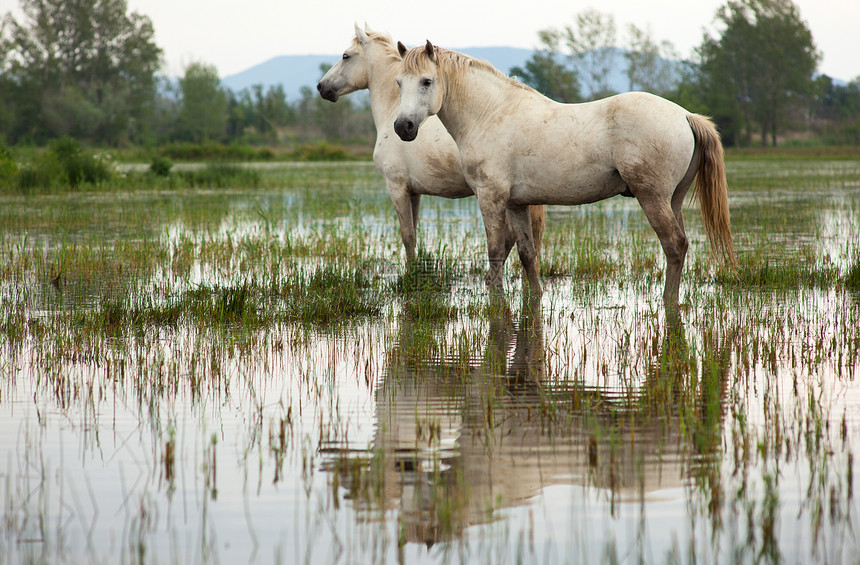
454	65
382	39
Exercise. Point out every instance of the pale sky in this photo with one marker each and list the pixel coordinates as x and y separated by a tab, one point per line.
234	35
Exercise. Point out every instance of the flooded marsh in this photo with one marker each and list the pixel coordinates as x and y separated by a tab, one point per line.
256	375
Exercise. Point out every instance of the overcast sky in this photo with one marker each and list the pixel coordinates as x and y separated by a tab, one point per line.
234	35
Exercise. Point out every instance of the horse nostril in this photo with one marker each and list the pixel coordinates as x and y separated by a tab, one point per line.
319	87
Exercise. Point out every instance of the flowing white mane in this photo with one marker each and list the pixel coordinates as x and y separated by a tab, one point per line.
453	65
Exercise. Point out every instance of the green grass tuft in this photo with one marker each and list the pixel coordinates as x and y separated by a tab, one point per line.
852	277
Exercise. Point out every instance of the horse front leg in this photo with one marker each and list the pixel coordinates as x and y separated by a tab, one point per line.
493	212
519	218
402	201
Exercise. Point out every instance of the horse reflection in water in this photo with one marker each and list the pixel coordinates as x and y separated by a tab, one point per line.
459	436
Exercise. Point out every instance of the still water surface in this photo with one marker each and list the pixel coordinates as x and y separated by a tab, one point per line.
587	427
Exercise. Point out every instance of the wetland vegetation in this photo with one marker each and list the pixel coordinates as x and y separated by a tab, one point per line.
241	367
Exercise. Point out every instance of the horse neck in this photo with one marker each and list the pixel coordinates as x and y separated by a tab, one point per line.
472	100
384	94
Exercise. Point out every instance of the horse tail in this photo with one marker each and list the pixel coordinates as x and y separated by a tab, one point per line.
538	217
712	189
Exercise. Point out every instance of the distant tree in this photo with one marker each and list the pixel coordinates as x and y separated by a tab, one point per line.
835	110
547	75
271	110
651	66
590	44
347	120
202	106
84	67
689	90
761	68
7	86
257	114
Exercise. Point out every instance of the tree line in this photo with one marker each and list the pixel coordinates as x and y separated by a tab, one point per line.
89	69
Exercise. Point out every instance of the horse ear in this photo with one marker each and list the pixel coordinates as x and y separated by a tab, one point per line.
401	48
430	51
360	34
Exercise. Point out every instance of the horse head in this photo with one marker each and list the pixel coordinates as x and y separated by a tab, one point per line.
421	94
350	72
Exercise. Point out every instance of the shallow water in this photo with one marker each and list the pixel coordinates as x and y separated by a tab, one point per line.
588	427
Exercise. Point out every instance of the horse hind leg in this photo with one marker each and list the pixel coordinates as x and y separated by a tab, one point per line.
670	230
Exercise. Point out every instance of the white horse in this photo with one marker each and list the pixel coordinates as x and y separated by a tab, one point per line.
519	148
430	166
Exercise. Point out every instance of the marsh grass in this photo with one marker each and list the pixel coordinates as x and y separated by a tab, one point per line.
221	175
425	285
326	295
765	272
185	351
852	276
330	295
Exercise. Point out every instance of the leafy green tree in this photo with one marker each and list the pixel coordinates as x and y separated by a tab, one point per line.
547	75
761	68
81	67
203	105
259	115
350	119
835	110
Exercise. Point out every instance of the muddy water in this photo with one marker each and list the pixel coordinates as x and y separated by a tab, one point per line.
587	427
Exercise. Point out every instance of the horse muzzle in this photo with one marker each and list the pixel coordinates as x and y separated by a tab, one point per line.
327	92
407	129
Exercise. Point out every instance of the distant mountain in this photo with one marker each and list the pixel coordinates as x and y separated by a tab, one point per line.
291	71
295	71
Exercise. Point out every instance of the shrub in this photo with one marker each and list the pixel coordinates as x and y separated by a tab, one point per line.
161	165
212	151
79	166
8	167
43	172
320	152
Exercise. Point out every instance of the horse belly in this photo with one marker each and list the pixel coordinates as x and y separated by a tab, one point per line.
570	188
439	174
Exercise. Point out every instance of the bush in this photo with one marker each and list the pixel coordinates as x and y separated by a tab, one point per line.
320	152
211	151
8	167
161	166
78	165
43	172
65	164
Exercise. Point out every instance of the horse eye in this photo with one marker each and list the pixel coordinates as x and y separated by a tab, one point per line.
426	82
345	56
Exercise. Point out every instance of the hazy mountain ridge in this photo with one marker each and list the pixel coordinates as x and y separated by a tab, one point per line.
295	71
